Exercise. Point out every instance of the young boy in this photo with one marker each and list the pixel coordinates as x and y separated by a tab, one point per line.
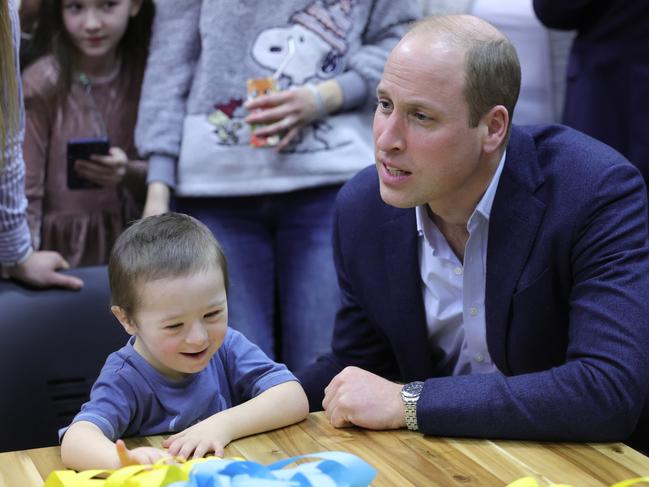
183	370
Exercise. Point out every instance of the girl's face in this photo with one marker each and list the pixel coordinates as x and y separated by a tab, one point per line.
96	27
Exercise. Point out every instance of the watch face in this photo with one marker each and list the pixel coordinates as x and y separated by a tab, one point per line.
413	388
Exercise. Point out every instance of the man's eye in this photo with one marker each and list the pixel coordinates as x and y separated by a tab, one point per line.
175	326
422	117
212	314
384	105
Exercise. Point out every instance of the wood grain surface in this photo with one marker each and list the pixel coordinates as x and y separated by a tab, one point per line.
402	457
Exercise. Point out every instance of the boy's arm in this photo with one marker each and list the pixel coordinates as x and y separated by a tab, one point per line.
281	405
84	447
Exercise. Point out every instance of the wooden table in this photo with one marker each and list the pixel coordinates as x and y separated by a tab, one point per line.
402	457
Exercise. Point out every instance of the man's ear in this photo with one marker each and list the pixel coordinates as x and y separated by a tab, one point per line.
495	123
123	318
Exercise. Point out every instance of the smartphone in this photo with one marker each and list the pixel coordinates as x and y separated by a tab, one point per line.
83	149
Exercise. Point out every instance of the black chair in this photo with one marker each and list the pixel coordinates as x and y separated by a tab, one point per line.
54	343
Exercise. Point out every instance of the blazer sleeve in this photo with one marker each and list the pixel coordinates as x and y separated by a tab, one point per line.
597	394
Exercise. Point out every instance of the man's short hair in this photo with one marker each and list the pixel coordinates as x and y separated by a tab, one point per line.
158	247
492	71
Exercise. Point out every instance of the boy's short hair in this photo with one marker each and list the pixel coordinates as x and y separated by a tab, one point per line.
158	247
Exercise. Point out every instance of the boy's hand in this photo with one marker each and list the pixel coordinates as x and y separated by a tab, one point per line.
143	455
210	435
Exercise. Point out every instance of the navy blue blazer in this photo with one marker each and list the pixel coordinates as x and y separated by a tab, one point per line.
607	85
567	298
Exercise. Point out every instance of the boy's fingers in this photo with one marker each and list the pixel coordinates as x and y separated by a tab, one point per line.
122	453
187	450
201	450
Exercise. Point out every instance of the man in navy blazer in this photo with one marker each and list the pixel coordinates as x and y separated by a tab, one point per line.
499	272
608	71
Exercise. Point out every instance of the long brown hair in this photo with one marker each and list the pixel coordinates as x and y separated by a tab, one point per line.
51	37
9	102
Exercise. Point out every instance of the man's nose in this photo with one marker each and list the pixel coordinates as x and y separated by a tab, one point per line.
389	132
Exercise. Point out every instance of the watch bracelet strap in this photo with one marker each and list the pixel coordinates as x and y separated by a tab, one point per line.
411	416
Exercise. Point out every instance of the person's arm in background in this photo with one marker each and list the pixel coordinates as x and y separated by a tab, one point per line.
290	110
173	53
18	260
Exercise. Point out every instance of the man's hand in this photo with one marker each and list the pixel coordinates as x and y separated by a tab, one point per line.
358	397
210	435
107	171
157	199
40	270
143	455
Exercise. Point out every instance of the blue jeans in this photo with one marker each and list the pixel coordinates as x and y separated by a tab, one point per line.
280	262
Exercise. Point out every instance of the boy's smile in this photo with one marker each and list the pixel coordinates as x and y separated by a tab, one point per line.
180	322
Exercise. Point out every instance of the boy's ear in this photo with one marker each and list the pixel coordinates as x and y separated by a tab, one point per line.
123	318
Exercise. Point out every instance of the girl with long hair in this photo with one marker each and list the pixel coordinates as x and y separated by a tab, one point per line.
87	87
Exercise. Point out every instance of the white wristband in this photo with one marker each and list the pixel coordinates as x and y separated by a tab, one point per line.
322	111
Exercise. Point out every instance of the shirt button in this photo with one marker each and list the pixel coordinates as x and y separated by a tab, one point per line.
479	358
473	311
458	271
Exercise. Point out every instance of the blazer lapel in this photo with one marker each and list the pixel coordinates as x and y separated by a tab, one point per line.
406	327
515	218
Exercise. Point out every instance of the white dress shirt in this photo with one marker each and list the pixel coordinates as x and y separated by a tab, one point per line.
454	292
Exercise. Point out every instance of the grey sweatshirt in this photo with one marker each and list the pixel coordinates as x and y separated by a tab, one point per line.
202	53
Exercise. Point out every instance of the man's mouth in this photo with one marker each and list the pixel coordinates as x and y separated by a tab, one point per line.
394	171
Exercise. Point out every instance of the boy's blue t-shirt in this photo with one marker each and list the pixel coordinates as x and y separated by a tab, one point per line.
131	398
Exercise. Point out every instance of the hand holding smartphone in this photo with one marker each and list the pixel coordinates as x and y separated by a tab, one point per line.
83	149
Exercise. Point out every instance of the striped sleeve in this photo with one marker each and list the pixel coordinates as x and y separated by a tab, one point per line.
14	232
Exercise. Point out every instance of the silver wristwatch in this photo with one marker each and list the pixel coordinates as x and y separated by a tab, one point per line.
410	395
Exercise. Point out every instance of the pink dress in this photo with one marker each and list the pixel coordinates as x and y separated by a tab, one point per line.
80	224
